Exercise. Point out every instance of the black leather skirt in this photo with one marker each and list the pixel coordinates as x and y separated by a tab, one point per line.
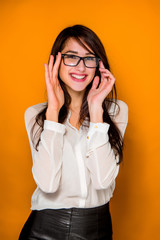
68	224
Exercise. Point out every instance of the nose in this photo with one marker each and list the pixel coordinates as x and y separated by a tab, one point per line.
81	67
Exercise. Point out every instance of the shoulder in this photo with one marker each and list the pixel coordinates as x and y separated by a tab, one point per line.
123	106
32	111
119	111
35	108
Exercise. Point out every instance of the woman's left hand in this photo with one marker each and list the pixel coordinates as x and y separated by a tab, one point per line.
96	95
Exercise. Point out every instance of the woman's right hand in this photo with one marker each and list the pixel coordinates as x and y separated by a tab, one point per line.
54	90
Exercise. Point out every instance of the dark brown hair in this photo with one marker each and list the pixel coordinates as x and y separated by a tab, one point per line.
86	35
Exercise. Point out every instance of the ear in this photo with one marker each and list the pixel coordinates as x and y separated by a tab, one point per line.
101	65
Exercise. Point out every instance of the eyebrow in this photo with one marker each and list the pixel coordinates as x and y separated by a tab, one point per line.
89	53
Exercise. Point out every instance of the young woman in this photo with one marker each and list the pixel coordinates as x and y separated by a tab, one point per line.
76	140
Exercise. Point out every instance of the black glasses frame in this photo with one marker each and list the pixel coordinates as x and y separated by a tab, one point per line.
80	58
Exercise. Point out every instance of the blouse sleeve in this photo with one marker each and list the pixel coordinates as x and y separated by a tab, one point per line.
101	160
47	161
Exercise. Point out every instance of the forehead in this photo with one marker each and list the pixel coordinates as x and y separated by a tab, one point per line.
72	44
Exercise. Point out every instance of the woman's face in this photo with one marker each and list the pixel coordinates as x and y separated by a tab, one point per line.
76	78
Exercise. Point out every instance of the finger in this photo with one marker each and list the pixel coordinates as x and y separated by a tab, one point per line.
104	76
47	78
106	88
107	74
106	71
95	83
46	71
103	84
106	80
56	65
103	71
51	64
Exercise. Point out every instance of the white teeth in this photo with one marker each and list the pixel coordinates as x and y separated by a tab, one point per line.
78	76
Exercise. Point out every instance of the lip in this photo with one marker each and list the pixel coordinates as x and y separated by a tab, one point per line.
78	74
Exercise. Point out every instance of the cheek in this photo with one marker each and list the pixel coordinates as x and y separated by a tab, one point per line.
92	74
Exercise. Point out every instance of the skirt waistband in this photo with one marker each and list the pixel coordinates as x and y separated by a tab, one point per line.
100	210
69	224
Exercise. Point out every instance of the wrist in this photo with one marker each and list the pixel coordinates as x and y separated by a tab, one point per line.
52	115
96	116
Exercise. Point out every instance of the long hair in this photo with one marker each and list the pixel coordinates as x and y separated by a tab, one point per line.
83	35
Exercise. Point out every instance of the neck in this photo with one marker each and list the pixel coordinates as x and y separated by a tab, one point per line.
76	100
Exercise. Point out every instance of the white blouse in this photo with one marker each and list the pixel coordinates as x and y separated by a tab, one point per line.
74	168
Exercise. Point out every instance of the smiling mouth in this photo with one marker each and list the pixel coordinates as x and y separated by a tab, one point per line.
78	77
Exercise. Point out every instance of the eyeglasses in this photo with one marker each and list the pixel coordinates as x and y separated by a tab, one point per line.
73	60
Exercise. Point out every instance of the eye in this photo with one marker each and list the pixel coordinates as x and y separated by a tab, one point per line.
90	58
71	56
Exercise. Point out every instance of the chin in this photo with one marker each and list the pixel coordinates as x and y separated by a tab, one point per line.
77	89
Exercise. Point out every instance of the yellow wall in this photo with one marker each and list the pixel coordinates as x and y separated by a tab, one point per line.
129	31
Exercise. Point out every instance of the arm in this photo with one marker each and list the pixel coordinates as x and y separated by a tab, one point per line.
101	160
47	161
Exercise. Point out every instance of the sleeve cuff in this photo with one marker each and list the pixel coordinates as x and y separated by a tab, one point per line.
97	135
54	126
98	127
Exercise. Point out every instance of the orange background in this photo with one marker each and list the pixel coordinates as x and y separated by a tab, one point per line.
129	31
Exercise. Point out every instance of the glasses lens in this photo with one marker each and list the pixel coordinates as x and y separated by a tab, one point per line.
71	60
91	62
